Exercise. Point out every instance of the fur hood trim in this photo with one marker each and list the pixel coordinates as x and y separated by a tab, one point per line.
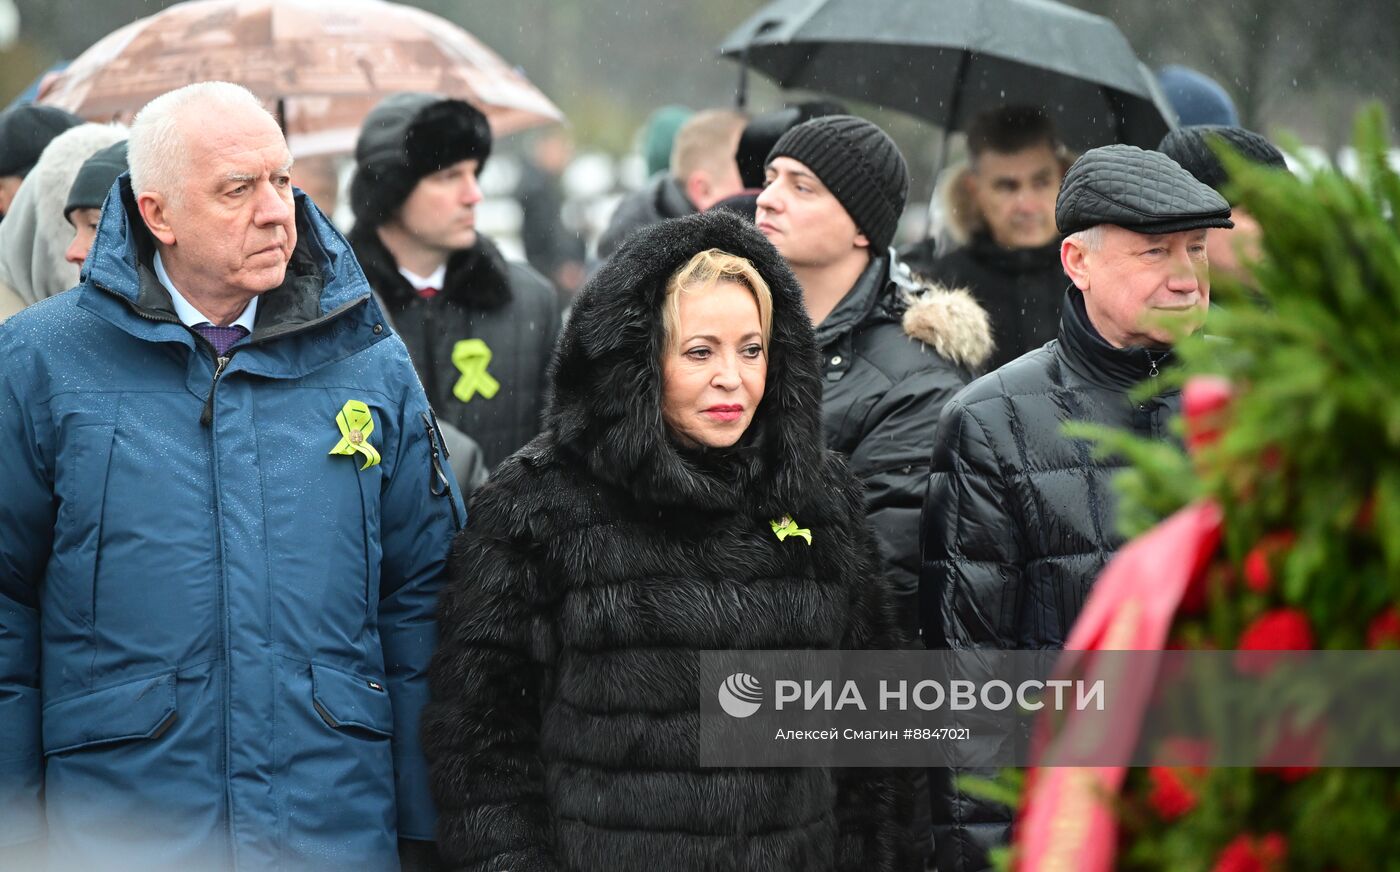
952	323
606	399
961	216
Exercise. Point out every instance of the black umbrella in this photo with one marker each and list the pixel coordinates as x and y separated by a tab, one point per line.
947	60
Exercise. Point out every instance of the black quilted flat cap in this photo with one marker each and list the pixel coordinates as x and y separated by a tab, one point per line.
1142	191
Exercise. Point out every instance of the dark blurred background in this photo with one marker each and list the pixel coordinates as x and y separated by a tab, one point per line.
1295	65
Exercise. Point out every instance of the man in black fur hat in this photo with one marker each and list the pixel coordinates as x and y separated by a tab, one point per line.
480	330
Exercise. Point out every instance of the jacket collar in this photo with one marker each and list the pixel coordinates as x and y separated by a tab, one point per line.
323	282
1092	358
477	277
859	303
985	250
667	198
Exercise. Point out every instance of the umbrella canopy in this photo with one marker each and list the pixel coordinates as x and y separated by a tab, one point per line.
947	60
323	65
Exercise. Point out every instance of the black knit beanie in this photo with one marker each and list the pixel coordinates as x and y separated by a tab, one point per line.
406	137
1190	147
859	164
763	132
95	178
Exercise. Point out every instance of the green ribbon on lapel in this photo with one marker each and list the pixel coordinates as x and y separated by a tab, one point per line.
472	356
788	527
355	425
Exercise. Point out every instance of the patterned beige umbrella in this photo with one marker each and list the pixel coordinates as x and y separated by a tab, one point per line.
323	65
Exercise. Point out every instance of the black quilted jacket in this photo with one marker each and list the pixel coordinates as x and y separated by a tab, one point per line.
1018	519
892	353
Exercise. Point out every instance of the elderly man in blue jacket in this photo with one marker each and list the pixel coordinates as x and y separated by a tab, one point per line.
224	521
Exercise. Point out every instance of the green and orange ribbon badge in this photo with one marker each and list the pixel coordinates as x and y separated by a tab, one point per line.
786	527
355	425
472	356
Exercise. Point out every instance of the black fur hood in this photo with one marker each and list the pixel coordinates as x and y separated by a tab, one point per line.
606	401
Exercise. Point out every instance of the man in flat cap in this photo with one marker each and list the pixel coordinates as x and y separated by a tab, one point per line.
1019	518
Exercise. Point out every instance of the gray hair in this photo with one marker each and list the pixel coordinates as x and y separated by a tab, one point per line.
1089	239
156	149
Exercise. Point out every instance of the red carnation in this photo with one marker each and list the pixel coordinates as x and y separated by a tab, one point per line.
1180	751
1275	630
1301	747
1384	631
1169	796
1259	563
1204	400
1249	853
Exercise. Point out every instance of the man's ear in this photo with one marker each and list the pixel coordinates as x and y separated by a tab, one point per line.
154	211
862	241
1075	260
697	187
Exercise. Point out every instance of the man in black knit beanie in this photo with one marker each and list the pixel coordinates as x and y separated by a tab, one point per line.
893	352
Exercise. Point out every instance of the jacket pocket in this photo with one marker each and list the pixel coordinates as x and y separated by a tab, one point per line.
140	709
81	486
351	702
369	482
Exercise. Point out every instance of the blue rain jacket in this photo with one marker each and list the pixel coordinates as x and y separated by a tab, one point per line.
213	632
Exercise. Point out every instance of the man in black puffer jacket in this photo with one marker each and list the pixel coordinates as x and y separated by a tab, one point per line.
1019	518
480	330
893	351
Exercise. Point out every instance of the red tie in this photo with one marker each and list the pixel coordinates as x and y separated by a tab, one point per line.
427	293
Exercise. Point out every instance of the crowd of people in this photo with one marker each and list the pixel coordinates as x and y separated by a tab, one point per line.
324	551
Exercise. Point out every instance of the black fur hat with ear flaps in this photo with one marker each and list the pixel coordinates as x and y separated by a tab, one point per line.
406	137
606	399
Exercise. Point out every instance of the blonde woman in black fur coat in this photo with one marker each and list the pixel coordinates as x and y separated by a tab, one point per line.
632	534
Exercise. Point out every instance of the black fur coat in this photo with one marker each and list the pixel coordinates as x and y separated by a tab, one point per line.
601	558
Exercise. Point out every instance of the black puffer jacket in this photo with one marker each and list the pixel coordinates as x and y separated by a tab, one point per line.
659	199
506	305
1021	288
1019	519
893	352
601	559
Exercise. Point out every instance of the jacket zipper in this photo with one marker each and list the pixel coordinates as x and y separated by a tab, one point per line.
206	417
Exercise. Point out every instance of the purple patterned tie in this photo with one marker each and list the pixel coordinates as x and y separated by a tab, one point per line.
221	337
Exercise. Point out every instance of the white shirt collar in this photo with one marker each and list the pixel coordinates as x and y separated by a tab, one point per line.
419	282
189	315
